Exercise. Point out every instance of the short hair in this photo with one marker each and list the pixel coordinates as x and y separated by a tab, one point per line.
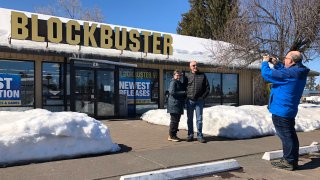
176	72
296	57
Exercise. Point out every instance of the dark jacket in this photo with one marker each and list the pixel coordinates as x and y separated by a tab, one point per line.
287	87
176	98
197	86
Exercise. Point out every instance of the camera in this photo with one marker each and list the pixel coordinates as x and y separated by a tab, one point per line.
272	59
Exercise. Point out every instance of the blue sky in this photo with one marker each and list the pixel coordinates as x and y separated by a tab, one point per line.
153	15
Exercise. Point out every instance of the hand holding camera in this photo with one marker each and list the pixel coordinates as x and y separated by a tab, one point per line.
270	59
266	58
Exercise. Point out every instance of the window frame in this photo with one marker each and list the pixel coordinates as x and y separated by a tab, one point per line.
34	84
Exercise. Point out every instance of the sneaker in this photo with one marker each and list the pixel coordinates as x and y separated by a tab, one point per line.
202	140
283	164
173	138
189	138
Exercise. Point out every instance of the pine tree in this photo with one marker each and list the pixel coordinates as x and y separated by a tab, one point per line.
207	18
311	85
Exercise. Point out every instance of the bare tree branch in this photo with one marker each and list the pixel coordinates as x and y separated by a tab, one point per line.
72	9
274	27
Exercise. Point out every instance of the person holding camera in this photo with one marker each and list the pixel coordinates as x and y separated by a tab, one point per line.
288	81
176	101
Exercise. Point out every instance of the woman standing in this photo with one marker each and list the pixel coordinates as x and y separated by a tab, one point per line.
176	103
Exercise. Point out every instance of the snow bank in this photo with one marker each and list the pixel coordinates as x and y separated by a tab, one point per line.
239	122
40	134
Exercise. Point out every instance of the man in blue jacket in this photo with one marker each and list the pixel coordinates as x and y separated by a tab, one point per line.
288	82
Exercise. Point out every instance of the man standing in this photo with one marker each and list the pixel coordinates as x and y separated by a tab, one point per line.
288	82
197	90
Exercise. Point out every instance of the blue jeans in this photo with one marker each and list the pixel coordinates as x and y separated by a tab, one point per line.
198	106
287	133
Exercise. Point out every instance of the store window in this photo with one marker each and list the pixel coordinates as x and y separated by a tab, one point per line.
142	90
53	92
214	97
147	90
230	89
223	89
167	76
16	85
127	92
138	90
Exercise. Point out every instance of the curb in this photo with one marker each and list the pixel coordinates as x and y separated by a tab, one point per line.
278	154
186	171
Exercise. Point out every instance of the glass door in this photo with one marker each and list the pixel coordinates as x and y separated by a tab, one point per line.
84	91
94	92
105	93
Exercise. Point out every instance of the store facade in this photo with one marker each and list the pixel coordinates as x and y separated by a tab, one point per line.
103	70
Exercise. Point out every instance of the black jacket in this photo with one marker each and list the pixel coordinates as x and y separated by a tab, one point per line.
197	86
177	95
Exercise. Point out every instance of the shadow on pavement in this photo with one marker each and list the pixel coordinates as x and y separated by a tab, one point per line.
123	149
216	138
242	132
313	163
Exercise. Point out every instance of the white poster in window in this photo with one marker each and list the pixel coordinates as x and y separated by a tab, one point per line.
106	88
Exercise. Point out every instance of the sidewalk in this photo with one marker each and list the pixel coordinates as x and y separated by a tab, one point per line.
145	148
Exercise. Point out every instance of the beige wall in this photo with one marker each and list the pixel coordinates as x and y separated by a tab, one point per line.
245	87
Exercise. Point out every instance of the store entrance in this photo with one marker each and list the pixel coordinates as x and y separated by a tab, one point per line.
94	89
94	92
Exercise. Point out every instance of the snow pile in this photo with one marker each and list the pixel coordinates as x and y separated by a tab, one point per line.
40	135
239	122
313	99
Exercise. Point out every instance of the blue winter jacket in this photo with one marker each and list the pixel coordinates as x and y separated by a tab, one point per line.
287	87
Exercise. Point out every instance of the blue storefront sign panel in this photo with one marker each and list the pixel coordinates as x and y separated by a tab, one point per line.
10	90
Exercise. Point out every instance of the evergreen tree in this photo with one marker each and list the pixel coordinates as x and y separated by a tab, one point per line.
207	18
311	85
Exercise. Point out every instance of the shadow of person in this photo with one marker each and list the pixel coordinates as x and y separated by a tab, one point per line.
217	138
313	163
237	131
123	149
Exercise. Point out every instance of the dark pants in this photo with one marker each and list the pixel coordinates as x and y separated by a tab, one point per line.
287	133
174	124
